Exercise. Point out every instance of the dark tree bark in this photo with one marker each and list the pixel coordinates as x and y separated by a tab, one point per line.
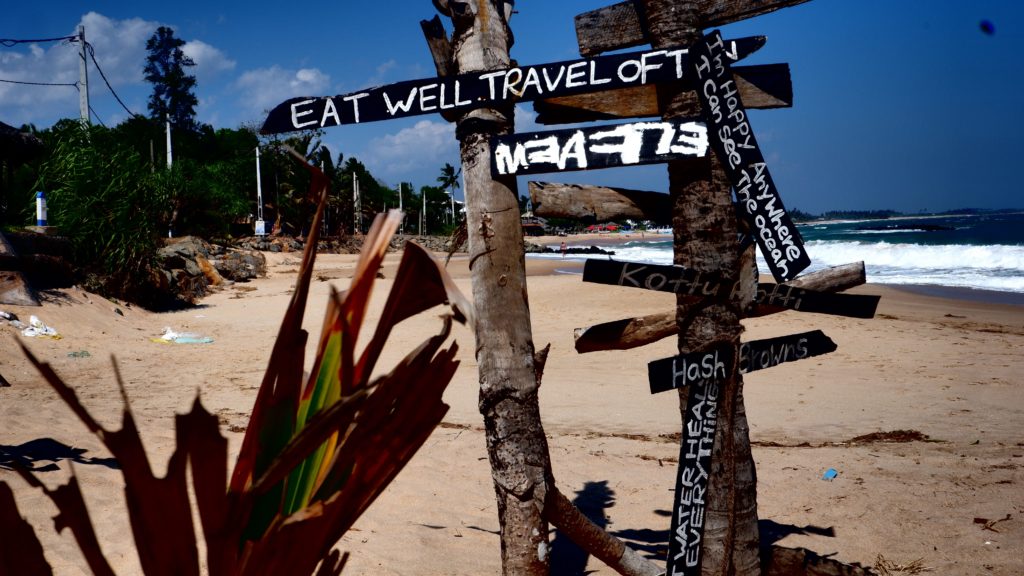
509	383
705	227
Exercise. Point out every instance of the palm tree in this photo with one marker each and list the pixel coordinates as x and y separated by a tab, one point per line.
449	179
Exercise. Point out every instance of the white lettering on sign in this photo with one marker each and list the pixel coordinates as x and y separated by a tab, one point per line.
296	114
621	145
524	83
692	480
685	373
354	99
734	142
773	355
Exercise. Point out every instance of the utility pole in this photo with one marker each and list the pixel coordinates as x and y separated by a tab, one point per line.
357	215
170	154
423	213
261	229
402	229
83	77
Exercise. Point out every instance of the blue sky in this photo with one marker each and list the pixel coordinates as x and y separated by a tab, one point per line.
898	104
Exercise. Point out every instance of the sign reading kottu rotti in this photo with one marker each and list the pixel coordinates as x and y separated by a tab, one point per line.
466	91
679	280
733	141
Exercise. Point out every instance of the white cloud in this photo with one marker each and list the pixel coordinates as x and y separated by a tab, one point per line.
50	63
120	50
264	88
209	60
381	74
423	147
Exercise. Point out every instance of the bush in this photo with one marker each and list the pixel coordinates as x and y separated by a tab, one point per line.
108	201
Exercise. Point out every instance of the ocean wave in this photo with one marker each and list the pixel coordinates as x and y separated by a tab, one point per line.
985	267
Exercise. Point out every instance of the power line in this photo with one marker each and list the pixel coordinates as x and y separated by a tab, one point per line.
97	116
92	54
9	42
38	83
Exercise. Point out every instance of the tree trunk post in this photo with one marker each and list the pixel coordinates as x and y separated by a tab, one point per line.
516	445
705	232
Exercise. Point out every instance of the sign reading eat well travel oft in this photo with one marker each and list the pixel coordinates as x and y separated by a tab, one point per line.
733	141
466	91
597	147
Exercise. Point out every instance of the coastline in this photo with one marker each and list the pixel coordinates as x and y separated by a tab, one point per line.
947	369
609	241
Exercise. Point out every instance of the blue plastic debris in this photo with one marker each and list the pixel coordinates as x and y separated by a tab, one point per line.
830	474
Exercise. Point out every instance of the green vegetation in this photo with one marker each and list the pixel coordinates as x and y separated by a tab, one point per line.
172	97
110	192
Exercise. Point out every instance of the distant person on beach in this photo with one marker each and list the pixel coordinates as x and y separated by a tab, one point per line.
562	249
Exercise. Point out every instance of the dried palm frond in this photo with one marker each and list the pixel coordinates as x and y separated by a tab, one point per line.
886	567
315	454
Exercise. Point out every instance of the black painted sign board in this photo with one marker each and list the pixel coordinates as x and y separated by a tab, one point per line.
689	506
594	147
681	280
685	369
732	139
688	369
473	90
769	352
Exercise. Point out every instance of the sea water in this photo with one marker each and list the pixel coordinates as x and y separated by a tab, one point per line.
984	251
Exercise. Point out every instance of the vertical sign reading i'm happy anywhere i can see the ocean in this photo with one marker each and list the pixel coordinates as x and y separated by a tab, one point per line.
732	139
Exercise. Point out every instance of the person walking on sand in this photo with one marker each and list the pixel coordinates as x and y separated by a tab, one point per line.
562	249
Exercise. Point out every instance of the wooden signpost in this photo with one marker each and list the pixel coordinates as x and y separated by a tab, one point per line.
468	91
678	371
677	83
605	146
629	333
680	280
760	87
621	25
734	142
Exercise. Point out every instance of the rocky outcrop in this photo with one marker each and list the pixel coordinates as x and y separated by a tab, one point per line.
188	266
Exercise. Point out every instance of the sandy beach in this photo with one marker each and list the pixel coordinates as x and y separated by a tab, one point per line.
947	371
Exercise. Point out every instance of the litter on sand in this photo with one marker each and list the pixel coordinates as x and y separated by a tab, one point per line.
171	337
36	329
830	474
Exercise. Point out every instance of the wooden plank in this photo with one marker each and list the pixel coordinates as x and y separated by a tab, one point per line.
631	333
464	92
441	53
769	352
733	140
439	45
593	147
686	369
591	204
760	87
620	25
688	282
700	421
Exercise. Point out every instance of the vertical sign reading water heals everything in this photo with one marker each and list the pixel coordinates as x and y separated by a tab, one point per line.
688	510
733	140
